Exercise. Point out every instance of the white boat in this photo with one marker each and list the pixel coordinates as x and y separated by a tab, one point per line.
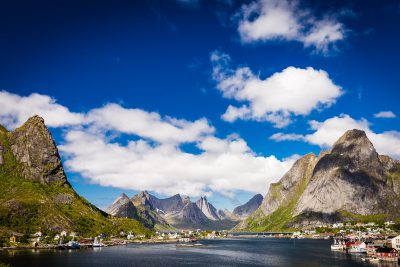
357	247
97	243
338	245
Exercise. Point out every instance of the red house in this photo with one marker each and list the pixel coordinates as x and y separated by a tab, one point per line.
387	254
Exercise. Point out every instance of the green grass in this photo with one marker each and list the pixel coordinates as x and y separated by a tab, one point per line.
27	206
353	217
278	220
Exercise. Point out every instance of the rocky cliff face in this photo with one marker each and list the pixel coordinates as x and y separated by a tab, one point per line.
348	182
208	209
122	207
351	177
169	205
190	215
289	186
243	211
34	147
35	193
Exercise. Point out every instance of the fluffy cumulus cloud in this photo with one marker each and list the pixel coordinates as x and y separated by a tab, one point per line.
151	156
148	124
224	165
291	92
264	20
15	110
385	115
328	131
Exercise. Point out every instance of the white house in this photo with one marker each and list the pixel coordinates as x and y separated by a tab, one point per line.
73	234
37	234
389	223
57	237
396	242
337	225
130	236
63	233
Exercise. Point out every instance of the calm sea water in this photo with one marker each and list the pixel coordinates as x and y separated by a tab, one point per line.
228	252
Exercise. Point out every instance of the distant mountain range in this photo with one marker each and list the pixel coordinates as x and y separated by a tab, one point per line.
179	212
351	182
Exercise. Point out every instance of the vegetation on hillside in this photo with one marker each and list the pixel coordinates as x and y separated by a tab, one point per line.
28	206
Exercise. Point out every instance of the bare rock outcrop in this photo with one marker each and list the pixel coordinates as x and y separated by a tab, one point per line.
34	147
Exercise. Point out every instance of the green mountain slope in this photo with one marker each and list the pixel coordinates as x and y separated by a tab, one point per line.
35	193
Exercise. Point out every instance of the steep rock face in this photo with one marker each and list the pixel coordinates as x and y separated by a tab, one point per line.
281	192
243	211
227	215
208	209
34	147
348	182
146	210
190	214
122	207
351	177
169	205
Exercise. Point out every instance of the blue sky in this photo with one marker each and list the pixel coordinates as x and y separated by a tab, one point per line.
157	60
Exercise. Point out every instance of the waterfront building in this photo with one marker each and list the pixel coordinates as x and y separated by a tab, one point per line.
13	239
387	254
396	242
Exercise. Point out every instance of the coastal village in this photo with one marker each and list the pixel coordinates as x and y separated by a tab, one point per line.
372	242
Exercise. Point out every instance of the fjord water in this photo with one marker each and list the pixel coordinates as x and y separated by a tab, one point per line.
227	252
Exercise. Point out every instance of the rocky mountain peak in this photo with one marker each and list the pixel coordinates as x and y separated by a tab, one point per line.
34	147
143	198
243	211
351	177
355	153
209	210
355	143
122	197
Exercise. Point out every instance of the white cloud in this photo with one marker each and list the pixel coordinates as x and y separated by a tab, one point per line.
286	137
151	157
291	92
264	20
385	115
148	124
224	165
327	132
15	110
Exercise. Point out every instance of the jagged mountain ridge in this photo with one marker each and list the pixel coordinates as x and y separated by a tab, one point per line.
35	193
243	211
176	211
208	209
349	182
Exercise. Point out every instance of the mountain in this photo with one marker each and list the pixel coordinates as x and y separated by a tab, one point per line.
243	211
351	182
173	212
208	209
35	192
122	207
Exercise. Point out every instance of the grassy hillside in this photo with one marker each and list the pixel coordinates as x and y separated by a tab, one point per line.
27	206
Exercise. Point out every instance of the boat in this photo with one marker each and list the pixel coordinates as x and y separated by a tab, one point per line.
338	245
73	245
356	247
97	243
